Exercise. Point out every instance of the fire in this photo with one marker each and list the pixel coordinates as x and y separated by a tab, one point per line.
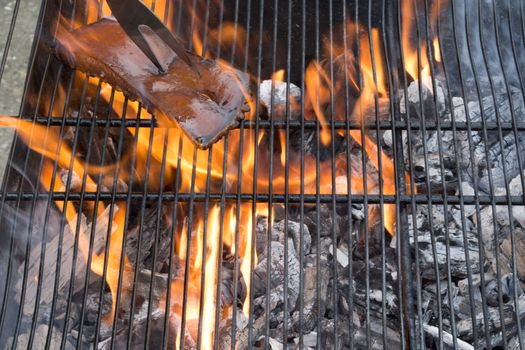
116	237
437	50
417	62
206	251
278	75
318	92
197	246
210	282
372	67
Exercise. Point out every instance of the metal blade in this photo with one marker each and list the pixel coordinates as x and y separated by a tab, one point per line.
131	14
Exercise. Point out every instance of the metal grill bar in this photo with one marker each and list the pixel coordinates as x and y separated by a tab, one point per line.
294	125
277	198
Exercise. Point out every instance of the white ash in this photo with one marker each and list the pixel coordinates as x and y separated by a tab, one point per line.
447	338
387	138
274	343
280	100
309	340
341	256
458	109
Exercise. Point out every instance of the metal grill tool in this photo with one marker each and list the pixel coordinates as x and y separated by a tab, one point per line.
137	20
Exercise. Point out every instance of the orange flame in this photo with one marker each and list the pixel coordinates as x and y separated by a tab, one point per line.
318	92
437	50
417	62
166	143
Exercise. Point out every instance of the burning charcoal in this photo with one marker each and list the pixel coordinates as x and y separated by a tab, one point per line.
496	339
226	322
519	250
501	111
310	302
325	224
275	344
309	340
518	211
488	235
506	285
357	211
49	270
294	235
467	190
156	335
328	334
97	139
427	94
108	181
341	256
294	231
91	311
457	257
462	304
375	287
321	249
361	340
512	149
465	327
142	290
75	181
459	113
480	164
514	343
464	287
491	242
143	312
101	229
387	138
421	216
429	160
227	285
457	216
277	271
280	98
40	338
67	245
261	235
147	234
242	337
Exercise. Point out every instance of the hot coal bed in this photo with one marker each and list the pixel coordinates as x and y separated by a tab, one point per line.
371	198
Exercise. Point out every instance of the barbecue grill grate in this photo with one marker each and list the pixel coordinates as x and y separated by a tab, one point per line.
481	44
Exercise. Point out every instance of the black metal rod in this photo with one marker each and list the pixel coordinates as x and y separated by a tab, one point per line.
249	125
276	197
